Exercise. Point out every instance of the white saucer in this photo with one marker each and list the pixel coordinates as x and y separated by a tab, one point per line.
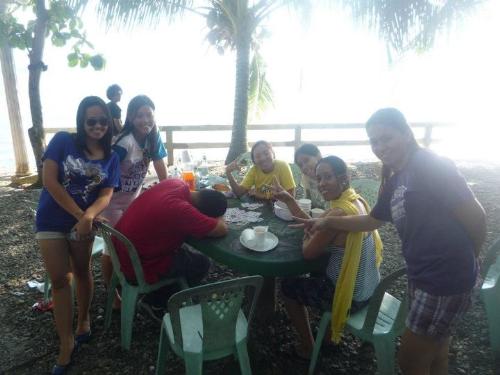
247	239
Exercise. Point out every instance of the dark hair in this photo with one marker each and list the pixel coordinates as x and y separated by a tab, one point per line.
81	117
113	90
338	167
133	107
306	149
212	203
259	143
394	119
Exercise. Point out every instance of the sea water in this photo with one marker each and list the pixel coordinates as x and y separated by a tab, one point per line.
445	142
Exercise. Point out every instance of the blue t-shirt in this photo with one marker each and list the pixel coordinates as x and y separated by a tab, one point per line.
134	161
82	178
420	200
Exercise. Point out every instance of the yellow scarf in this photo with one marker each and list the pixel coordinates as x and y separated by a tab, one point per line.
344	287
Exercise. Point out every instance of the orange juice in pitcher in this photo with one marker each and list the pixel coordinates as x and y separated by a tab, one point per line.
190	179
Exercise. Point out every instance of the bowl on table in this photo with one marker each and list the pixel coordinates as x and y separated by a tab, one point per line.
281	210
317	212
221	187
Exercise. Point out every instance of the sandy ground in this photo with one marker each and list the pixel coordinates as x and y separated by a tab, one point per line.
28	343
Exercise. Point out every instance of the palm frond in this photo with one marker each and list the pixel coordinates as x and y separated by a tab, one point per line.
129	13
260	93
411	24
302	8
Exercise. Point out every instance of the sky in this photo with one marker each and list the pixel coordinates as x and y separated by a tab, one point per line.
335	71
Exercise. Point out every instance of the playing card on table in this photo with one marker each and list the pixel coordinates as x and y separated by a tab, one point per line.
239	216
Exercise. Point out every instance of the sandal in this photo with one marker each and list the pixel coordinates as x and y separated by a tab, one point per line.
63	369
82	338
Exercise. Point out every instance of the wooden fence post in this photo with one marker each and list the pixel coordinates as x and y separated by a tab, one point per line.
298	137
170	147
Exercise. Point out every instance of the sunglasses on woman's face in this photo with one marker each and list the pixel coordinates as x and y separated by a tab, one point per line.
103	121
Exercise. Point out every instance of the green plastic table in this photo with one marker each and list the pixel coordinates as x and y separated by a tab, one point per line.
284	260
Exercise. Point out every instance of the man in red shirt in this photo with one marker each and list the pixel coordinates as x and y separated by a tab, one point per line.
159	221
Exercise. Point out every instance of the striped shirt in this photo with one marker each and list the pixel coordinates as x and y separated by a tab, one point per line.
368	275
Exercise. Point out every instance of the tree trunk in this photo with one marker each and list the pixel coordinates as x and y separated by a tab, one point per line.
36	132
16	127
240	117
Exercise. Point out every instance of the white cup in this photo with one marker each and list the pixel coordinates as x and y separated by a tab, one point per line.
317	212
260	235
305	205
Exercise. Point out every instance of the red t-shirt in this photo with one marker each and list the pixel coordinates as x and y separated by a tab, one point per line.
157	223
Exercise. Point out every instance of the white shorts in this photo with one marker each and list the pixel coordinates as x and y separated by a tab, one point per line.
63	236
51	235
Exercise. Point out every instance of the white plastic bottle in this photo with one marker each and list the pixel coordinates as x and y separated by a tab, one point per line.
203	169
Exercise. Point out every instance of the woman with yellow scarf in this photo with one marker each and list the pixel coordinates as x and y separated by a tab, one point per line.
442	227
351	273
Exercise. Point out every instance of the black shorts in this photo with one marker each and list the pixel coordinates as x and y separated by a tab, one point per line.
188	263
315	291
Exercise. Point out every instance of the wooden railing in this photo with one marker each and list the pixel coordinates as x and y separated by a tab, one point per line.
295	142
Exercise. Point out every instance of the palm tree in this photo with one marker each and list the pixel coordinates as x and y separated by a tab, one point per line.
9	80
56	19
235	24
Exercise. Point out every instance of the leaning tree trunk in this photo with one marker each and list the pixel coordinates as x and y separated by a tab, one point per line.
36	132
240	117
16	127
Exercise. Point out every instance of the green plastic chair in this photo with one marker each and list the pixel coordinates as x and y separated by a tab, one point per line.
490	295
207	322
296	173
379	323
97	249
130	291
368	189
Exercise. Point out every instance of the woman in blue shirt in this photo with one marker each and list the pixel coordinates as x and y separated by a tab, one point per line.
80	172
442	227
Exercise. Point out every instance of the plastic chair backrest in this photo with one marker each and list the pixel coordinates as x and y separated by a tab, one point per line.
108	232
377	299
367	188
220	305
491	257
297	174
